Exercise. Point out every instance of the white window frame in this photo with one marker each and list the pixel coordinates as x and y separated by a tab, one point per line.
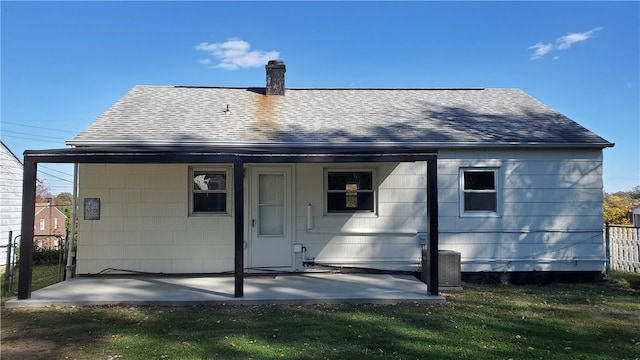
496	190
43	225
229	189
374	190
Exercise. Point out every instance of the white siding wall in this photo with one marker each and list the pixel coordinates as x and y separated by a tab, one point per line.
144	224
10	199
386	240
550	216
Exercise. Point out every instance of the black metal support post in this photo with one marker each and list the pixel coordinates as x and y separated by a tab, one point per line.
432	223
26	235
238	209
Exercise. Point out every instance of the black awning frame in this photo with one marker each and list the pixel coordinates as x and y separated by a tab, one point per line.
238	156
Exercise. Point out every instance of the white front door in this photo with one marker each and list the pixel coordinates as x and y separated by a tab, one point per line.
270	217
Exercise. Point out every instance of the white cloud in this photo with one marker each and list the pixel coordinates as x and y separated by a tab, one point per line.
540	50
234	54
562	43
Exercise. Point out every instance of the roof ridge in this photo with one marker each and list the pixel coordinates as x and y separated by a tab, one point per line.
319	88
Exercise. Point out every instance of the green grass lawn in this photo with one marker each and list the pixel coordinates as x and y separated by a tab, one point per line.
559	321
42	276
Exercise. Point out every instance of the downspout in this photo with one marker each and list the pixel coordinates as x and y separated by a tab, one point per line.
70	242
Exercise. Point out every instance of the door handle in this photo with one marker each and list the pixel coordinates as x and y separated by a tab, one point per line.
253	222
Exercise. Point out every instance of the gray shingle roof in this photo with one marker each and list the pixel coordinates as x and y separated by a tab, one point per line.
171	115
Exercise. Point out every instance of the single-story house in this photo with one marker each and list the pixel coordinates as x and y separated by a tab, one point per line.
10	199
199	179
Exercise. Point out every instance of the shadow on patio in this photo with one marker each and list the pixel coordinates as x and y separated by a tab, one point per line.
299	288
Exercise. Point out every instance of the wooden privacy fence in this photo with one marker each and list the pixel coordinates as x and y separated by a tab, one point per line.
623	247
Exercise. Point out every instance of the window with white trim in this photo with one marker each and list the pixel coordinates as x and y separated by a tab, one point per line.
478	192
349	191
42	224
209	191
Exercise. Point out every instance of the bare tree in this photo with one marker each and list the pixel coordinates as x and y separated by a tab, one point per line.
43	192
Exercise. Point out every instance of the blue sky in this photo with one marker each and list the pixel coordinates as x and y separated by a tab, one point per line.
64	63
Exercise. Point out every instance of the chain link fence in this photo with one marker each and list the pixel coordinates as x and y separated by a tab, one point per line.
48	266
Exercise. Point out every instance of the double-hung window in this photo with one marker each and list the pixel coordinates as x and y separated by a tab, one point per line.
209	191
478	192
350	191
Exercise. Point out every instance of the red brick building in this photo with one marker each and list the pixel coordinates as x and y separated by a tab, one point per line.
49	223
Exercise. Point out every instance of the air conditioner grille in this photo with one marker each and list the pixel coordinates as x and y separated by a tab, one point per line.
449	273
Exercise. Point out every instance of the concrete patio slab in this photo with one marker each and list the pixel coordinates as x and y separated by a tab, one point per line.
302	288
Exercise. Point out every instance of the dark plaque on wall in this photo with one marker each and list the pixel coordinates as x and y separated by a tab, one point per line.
92	208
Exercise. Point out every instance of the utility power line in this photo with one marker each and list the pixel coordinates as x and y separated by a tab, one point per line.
31	134
52	169
27	138
39	127
56	177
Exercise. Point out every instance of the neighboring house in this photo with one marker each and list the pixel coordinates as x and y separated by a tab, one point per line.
10	199
635	216
49	226
194	179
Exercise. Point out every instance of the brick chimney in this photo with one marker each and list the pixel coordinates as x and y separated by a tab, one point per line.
275	77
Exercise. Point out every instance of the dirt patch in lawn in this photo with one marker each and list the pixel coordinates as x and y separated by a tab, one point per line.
15	346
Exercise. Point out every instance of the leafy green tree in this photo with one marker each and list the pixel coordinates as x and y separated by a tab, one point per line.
617	206
64	198
64	202
616	216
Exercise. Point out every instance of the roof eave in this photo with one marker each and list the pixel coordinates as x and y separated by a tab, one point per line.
315	145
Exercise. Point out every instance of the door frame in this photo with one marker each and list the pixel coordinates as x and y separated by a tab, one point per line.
251	192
